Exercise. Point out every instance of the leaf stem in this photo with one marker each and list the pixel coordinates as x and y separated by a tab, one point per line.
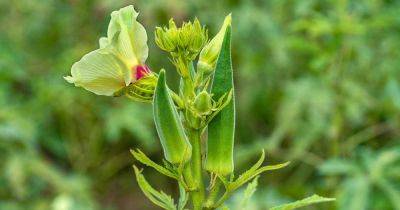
224	197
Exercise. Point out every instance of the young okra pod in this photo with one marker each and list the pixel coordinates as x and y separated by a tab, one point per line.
175	143
221	129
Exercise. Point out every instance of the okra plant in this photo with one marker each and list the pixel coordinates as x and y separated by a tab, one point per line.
196	124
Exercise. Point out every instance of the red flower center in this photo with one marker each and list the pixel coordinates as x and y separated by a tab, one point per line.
140	71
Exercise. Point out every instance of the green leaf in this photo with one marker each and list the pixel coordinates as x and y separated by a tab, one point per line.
223	208
176	145
253	172
221	129
339	167
301	203
354	193
183	198
141	157
248	192
159	198
391	192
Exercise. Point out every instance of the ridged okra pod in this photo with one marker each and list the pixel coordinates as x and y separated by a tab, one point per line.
220	142
175	143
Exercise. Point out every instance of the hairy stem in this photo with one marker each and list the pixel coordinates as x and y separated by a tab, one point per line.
196	169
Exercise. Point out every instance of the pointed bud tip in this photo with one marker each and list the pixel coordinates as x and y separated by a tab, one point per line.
203	103
161	77
228	19
162	73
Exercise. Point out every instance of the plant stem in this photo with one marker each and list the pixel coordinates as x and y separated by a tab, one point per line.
212	195
196	168
224	197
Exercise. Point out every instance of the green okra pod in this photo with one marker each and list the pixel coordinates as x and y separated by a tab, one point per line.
175	143
221	129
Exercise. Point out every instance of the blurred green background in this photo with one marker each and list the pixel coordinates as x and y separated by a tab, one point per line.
318	83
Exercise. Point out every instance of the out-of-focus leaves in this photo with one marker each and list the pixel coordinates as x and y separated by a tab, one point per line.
159	198
364	177
304	202
134	118
314	79
250	190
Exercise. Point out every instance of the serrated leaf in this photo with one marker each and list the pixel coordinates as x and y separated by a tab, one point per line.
158	198
221	129
248	192
174	141
183	198
304	202
253	172
141	157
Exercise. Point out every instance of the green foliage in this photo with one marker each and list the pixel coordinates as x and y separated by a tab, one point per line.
141	157
254	171
365	177
159	198
318	78
304	202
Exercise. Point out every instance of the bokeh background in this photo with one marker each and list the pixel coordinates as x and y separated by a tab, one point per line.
318	83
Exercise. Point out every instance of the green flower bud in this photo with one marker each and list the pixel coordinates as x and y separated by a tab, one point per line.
175	143
203	103
184	43
209	54
187	40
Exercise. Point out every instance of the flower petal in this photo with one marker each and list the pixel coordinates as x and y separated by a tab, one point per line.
103	42
131	38
100	72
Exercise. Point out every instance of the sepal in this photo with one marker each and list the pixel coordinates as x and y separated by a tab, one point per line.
203	109
142	90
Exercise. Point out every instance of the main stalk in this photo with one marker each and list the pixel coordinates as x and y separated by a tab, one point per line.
196	168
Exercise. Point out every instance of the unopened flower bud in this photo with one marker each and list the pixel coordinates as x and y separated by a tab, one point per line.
209	54
184	43
203	103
